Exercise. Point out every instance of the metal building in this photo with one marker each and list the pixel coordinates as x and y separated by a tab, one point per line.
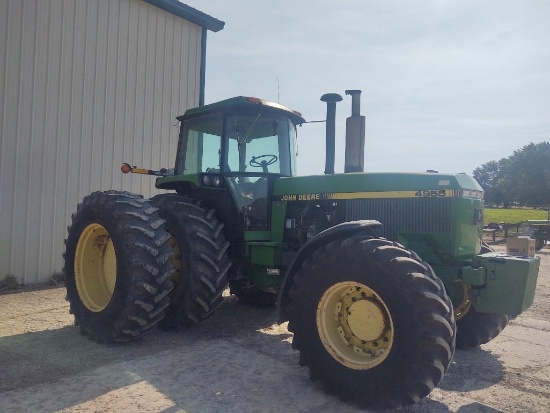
84	86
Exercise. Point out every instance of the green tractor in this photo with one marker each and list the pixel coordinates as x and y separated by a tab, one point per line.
380	275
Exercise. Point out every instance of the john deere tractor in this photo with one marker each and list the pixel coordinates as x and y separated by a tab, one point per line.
380	275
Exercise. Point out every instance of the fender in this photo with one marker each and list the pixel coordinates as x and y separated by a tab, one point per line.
343	230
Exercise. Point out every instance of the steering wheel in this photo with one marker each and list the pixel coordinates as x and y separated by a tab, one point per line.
271	159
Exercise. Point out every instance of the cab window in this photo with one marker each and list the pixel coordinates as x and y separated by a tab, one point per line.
200	149
259	144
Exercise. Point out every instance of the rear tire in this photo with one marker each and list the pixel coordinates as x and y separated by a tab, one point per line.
117	266
200	259
539	244
476	328
372	322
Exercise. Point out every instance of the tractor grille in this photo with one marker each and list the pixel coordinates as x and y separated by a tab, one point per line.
420	215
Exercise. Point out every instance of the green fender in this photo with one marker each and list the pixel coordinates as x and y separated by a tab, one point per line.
343	230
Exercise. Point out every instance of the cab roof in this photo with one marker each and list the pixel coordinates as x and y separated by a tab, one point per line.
242	102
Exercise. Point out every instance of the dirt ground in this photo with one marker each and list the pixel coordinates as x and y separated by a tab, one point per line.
240	360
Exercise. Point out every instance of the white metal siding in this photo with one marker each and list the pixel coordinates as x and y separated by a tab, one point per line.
84	86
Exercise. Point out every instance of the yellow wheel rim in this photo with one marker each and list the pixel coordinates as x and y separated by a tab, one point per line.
355	325
462	307
95	267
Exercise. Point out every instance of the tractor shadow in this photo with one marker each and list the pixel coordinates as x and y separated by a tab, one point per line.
428	405
238	360
473	369
239	356
25	357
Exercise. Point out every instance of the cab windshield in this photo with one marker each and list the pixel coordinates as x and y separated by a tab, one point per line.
258	146
258	143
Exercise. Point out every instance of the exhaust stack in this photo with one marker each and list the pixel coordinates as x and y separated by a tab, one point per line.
355	135
331	99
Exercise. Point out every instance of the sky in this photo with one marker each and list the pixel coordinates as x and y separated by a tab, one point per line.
447	85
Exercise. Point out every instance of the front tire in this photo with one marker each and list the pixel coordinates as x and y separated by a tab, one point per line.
476	328
371	322
117	266
473	328
200	252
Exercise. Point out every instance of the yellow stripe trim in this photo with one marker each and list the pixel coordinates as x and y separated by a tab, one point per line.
388	194
436	193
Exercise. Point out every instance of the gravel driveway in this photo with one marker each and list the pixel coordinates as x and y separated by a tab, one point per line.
240	360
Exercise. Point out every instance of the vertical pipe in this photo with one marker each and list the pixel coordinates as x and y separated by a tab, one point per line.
355	102
331	99
355	135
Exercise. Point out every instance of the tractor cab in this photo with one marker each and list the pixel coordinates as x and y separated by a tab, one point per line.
233	151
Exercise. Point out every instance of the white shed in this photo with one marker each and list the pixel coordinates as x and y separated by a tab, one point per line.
84	86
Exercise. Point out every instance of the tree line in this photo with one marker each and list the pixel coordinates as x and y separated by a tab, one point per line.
521	179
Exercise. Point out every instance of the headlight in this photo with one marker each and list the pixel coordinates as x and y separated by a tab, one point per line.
208	180
472	194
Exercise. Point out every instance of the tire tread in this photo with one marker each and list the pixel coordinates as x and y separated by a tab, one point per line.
413	280
136	306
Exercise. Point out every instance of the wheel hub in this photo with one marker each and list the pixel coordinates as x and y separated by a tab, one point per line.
365	319
355	325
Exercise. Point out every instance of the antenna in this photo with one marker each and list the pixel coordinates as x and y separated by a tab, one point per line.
278	89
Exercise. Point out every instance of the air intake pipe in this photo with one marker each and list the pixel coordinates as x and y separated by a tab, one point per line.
355	135
331	99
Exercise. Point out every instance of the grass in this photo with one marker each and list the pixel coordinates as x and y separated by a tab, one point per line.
512	215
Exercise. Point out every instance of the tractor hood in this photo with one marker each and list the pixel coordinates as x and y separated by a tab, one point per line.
376	185
439	216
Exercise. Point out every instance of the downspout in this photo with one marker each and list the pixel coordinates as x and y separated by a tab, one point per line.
203	67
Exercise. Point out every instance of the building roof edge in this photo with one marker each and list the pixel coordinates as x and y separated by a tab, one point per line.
189	13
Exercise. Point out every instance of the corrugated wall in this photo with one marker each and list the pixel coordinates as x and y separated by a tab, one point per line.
84	86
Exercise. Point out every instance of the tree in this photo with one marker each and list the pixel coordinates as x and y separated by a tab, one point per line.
529	167
491	177
523	177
